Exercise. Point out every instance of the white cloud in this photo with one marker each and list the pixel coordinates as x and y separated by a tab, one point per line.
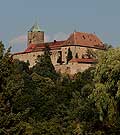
57	36
47	38
60	36
22	39
19	43
18	40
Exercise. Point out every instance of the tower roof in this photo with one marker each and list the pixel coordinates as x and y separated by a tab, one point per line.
35	28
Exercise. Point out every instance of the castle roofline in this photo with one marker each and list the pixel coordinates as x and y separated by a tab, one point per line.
81	39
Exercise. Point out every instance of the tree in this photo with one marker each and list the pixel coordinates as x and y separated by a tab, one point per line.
91	53
34	102
11	87
108	46
96	100
43	98
44	66
105	94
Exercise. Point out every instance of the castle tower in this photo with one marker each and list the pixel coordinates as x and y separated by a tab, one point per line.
35	35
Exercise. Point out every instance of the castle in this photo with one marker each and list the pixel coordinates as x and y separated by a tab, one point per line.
78	45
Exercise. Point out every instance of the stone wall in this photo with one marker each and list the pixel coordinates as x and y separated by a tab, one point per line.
75	49
31	57
54	56
72	68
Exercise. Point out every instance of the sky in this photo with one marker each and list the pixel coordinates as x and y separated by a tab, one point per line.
58	18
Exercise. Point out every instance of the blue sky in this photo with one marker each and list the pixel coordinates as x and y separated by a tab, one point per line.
58	18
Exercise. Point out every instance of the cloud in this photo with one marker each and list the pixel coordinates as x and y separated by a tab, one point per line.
22	39
18	43
60	36
47	38
56	36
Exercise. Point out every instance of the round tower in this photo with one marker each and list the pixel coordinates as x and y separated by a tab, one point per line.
35	35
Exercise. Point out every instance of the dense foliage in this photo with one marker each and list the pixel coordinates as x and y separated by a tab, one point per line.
38	101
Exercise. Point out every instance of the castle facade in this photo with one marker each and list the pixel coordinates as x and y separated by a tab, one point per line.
78	45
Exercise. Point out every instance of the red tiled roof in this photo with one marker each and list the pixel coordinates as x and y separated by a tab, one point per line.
30	48
38	47
84	39
19	53
83	60
76	38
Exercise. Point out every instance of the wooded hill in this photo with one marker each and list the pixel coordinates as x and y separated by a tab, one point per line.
39	101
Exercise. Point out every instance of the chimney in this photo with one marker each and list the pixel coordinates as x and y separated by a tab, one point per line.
55	41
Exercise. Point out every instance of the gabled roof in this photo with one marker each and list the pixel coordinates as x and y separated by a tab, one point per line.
84	39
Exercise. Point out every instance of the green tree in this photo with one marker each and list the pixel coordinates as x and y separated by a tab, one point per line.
96	103
11	86
105	94
91	53
44	66
108	46
44	98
